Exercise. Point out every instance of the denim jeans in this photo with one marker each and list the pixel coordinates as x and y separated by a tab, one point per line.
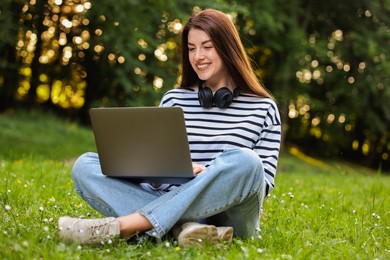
229	192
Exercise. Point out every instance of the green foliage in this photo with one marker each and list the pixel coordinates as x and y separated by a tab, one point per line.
336	51
326	63
329	211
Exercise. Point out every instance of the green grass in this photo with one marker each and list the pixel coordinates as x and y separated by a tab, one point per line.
336	212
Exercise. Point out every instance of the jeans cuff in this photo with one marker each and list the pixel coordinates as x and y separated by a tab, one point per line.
157	231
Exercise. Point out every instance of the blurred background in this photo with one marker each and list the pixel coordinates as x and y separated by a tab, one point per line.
326	62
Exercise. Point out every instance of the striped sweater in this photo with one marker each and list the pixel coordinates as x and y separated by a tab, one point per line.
250	122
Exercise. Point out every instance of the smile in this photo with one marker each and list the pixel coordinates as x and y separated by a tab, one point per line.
202	66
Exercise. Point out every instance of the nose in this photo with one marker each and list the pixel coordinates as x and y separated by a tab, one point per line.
199	55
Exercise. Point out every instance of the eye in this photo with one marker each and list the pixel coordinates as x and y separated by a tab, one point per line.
191	49
208	47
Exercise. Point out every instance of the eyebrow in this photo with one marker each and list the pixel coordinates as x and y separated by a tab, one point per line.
204	42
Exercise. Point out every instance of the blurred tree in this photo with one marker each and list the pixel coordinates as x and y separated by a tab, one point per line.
9	20
346	69
326	63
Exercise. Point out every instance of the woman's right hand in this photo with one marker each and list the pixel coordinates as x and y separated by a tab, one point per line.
197	168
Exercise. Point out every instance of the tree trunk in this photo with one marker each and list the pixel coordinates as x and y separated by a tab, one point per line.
38	28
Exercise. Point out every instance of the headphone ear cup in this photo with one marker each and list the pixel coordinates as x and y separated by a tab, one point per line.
205	96
223	97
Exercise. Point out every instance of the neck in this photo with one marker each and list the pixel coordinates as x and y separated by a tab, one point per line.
216	87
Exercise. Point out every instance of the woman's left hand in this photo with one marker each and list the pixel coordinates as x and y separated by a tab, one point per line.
197	168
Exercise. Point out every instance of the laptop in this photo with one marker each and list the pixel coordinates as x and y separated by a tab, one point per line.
142	144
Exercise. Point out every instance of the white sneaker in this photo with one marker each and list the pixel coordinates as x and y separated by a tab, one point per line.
195	234
225	234
87	231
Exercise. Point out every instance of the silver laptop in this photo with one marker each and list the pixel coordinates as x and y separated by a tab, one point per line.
143	144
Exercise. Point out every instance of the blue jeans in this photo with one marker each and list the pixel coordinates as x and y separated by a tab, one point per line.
229	192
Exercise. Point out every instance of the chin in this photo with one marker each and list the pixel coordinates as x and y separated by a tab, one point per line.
203	77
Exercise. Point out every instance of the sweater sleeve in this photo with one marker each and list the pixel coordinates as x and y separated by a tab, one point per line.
268	146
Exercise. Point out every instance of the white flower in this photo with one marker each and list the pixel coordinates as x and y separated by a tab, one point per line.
41	208
167	244
7	207
46	228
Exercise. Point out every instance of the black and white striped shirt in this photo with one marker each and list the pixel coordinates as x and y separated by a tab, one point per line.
250	122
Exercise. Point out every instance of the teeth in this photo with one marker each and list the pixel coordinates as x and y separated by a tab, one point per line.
202	66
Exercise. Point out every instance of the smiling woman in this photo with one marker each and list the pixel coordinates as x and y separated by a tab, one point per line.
206	62
234	140
226	55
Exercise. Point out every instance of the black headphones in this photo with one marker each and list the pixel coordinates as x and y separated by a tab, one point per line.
222	98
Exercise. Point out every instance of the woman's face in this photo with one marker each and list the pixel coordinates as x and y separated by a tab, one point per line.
205	60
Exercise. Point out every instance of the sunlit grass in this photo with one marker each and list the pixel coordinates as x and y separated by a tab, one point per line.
313	213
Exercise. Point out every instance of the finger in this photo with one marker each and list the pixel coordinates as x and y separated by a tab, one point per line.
198	169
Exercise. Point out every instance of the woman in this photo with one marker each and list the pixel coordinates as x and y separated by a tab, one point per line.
234	131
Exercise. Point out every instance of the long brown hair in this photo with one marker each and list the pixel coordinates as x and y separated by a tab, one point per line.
228	44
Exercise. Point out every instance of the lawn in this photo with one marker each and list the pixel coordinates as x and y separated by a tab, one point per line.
318	210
